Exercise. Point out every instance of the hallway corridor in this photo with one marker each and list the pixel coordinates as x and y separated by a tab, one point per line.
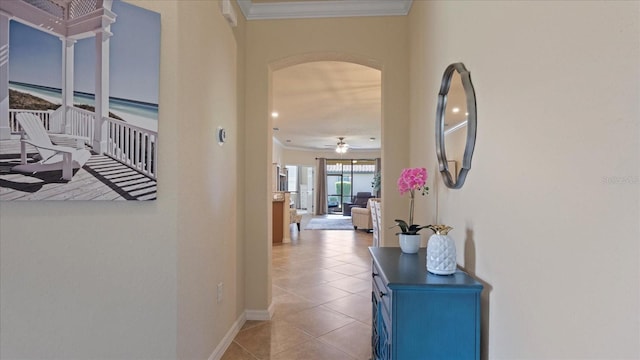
322	300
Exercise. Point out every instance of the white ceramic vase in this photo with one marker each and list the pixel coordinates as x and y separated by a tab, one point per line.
441	255
409	244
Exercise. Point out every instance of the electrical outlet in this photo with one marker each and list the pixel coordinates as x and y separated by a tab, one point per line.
220	289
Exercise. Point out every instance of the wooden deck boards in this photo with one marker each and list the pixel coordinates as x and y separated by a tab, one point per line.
101	178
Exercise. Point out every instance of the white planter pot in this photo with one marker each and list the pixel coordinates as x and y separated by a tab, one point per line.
409	244
441	255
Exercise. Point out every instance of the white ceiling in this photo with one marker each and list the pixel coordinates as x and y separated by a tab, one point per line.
318	102
321	101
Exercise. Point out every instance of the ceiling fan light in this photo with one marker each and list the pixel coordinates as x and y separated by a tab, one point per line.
342	146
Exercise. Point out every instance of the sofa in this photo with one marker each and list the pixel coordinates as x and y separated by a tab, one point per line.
361	217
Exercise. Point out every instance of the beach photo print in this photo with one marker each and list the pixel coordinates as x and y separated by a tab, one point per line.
78	100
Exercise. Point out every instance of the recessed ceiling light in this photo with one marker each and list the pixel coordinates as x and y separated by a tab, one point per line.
455	110
466	114
275	114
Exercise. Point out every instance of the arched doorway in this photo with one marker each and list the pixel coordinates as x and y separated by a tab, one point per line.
386	55
259	145
315	104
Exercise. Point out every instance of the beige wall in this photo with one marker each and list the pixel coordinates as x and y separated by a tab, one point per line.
380	42
82	280
548	218
240	34
556	167
97	279
209	186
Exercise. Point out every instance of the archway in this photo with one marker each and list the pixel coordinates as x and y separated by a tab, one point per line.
378	43
313	105
258	248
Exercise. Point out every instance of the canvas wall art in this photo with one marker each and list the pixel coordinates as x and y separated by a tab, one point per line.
78	100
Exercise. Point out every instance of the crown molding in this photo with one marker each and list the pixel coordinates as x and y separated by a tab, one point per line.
323	9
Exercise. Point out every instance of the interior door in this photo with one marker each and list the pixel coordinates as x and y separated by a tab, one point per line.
306	188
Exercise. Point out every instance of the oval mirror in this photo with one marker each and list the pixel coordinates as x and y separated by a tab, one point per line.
455	125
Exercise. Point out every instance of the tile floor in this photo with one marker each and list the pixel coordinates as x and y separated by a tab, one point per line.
322	299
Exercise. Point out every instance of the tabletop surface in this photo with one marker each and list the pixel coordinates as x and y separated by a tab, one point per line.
410	270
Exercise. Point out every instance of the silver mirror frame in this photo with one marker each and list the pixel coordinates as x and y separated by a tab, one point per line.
465	76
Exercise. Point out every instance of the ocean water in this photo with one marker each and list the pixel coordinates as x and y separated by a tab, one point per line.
116	105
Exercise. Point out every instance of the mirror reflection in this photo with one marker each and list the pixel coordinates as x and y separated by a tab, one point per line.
455	125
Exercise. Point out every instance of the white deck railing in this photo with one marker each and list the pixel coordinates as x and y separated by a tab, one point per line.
79	122
45	115
133	146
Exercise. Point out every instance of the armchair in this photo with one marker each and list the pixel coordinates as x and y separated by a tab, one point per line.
361	217
360	200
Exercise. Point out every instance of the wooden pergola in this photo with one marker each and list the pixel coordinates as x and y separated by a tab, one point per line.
70	21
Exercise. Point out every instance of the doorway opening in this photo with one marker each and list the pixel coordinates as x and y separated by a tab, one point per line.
345	179
300	185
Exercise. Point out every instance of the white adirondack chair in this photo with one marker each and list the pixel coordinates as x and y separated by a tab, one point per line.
52	157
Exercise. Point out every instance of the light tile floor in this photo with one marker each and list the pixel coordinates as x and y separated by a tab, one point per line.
322	299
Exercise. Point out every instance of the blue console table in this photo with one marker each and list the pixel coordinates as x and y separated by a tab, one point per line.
418	315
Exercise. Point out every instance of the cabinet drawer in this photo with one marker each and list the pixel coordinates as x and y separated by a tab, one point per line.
381	290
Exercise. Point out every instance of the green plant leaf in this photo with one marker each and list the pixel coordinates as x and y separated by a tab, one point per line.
403	225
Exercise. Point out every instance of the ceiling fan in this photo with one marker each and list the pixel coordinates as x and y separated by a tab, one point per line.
342	147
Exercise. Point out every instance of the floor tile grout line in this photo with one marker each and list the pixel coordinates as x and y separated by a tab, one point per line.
337	348
280	322
340	255
247	350
317	337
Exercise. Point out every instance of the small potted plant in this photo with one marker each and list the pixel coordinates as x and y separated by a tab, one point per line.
411	180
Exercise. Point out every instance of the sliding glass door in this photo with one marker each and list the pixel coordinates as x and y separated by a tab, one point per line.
334	192
345	178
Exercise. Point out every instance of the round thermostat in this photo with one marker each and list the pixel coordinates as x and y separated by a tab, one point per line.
222	135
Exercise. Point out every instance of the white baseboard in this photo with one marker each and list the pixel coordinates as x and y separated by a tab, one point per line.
260	314
228	338
235	328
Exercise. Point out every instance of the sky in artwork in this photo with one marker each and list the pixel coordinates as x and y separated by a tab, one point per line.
35	57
